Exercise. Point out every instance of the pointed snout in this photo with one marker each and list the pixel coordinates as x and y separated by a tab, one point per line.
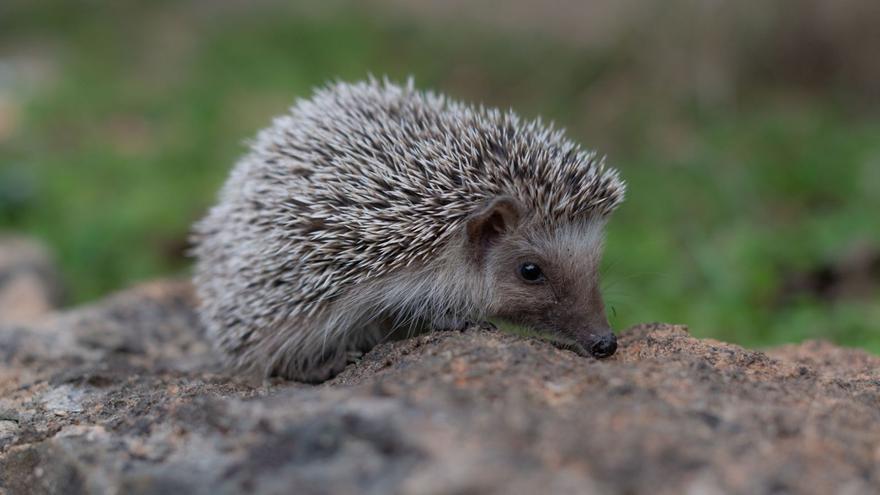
597	342
603	346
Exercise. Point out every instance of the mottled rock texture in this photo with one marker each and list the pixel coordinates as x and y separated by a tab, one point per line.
124	397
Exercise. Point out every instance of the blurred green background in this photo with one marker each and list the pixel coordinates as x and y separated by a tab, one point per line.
749	133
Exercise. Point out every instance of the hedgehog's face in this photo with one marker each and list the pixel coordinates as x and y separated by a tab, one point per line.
543	278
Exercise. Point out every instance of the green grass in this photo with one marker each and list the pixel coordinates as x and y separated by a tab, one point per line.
709	239
147	105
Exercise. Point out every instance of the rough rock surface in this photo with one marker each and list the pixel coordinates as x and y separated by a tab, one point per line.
124	397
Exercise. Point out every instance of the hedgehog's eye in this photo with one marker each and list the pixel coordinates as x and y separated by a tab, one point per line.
531	273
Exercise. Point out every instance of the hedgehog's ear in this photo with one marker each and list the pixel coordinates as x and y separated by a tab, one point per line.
488	224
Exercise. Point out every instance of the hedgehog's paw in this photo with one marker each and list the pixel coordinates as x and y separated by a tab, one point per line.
353	356
323	371
316	369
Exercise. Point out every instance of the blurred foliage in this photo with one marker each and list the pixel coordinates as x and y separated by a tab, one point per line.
125	120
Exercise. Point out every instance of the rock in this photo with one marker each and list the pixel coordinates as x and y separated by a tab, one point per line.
29	281
125	397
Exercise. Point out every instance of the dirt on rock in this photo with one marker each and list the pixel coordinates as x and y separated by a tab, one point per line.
125	397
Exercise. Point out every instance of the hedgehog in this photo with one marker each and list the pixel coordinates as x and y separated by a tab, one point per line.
373	210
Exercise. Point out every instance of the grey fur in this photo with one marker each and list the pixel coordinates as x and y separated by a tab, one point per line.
345	218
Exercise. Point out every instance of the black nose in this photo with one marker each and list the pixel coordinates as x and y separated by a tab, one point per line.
604	346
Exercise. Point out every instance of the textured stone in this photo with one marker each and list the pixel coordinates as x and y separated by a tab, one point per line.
125	397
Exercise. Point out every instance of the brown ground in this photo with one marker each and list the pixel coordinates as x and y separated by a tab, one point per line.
124	397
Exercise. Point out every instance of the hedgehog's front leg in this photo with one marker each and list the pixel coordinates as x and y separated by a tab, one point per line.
325	366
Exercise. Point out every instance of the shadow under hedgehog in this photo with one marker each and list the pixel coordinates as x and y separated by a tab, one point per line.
374	209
